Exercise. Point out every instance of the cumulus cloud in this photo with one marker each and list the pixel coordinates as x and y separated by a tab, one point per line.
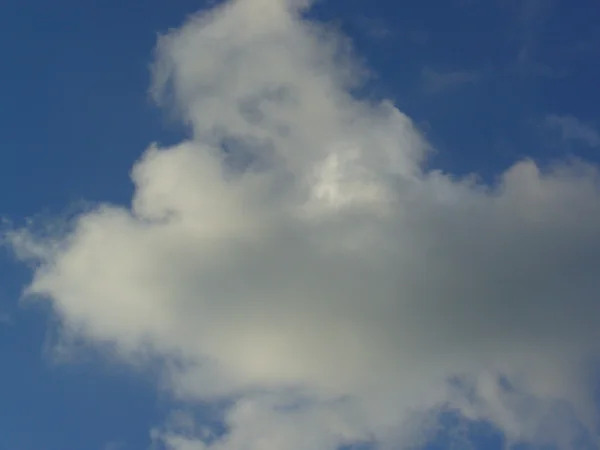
296	259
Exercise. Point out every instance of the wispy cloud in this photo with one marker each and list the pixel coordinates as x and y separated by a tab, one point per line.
379	29
530	18
573	129
528	64
115	445
419	36
534	12
374	28
434	81
465	3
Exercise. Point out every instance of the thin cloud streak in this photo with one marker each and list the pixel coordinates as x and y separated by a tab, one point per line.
434	82
572	129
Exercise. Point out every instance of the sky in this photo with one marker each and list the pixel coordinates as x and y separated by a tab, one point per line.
286	224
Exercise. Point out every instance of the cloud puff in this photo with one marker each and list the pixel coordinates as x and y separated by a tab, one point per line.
295	258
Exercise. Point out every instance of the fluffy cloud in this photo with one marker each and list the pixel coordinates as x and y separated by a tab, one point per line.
296	258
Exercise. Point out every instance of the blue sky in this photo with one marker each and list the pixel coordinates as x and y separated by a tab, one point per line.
487	82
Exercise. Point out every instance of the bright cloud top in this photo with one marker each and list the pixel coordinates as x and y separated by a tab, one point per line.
297	256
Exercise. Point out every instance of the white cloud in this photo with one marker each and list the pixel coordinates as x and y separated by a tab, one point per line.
434	82
329	284
572	129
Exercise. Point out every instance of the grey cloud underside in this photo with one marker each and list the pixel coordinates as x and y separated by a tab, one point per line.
317	254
